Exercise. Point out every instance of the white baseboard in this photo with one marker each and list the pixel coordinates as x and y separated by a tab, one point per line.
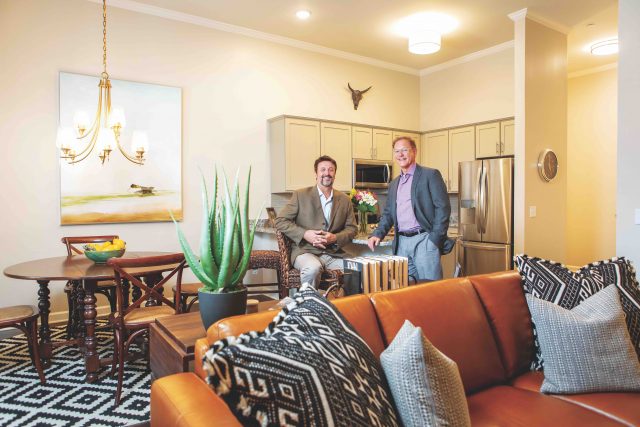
60	317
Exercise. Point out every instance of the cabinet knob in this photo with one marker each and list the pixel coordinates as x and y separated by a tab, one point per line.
497	147
502	147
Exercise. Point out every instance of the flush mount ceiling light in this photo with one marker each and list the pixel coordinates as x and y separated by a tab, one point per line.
424	31
303	14
604	47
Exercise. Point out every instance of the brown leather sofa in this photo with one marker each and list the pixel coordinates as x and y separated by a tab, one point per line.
481	322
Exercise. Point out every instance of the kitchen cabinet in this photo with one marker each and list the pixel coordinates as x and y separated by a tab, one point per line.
294	146
416	138
382	139
495	139
461	149
507	134
362	142
448	262
335	141
435	152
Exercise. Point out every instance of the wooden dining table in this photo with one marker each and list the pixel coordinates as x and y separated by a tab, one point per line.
80	269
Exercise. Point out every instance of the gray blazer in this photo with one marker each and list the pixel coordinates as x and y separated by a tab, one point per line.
304	212
430	203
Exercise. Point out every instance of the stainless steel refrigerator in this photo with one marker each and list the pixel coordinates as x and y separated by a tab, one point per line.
485	203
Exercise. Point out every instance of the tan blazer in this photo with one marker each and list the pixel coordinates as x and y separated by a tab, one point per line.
304	212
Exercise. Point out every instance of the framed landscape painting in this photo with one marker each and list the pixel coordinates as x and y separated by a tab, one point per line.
119	190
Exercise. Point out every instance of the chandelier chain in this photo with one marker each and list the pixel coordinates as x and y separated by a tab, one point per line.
104	39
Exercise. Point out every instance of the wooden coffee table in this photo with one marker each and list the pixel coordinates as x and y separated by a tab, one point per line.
173	338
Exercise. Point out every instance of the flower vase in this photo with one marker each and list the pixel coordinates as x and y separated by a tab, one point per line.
362	222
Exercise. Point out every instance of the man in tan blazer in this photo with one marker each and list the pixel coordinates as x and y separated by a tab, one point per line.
320	222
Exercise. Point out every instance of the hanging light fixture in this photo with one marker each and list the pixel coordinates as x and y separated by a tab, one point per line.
75	144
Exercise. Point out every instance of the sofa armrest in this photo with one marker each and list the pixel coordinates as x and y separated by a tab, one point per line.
200	348
184	400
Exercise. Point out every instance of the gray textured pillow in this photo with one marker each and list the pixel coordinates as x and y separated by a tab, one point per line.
425	384
586	349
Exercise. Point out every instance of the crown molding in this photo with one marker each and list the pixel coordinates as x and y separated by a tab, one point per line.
593	70
467	58
160	12
526	13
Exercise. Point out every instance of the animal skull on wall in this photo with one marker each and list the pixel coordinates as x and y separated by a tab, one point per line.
356	95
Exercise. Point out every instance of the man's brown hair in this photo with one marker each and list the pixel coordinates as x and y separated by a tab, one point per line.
324	159
406	138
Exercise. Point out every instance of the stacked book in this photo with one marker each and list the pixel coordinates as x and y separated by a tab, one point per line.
368	274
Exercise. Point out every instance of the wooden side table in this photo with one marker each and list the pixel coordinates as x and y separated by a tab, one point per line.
172	340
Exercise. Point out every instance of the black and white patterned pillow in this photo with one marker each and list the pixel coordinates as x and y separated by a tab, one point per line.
308	368
553	282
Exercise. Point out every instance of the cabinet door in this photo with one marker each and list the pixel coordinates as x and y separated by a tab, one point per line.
302	147
382	144
416	138
507	134
488	140
361	142
435	153
335	141
461	148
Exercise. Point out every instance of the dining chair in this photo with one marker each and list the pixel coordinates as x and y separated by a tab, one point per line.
132	321
105	287
25	318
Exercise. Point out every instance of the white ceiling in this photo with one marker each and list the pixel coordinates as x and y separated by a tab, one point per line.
363	27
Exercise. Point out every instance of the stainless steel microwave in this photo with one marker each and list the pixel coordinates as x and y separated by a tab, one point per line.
371	173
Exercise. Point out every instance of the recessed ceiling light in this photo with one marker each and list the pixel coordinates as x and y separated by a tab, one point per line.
303	14
604	47
424	31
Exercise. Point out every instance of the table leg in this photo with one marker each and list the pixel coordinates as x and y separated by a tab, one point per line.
91	357
45	333
79	316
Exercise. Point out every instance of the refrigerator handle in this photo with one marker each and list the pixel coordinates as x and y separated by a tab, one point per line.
478	201
485	196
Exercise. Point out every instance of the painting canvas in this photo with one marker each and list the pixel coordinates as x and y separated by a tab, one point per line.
119	190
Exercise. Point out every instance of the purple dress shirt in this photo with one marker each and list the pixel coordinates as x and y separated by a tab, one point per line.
406	218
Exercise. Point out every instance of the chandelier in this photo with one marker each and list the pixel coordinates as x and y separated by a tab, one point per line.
75	144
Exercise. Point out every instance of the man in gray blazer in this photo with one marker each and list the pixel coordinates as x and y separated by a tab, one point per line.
418	207
320	222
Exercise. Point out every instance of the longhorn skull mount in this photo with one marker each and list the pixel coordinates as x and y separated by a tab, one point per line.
356	95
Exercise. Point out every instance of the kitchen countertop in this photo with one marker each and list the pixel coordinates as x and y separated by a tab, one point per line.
264	226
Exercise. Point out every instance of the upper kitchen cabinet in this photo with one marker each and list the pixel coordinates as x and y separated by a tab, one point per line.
507	135
335	141
435	153
416	138
495	139
382	139
294	146
362	142
461	149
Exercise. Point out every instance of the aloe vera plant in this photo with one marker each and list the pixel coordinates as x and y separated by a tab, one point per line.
226	240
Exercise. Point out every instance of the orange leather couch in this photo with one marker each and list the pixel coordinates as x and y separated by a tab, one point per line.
481	322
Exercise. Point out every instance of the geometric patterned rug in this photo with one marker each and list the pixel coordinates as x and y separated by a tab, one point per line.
65	399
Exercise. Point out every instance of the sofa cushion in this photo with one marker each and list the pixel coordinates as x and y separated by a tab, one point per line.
620	272
586	349
503	300
425	384
622	407
452	318
308	367
511	406
357	309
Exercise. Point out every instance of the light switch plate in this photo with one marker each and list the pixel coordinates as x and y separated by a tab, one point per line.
532	212
637	217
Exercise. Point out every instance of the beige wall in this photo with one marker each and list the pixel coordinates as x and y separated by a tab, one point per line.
471	92
542	93
231	86
628	194
591	167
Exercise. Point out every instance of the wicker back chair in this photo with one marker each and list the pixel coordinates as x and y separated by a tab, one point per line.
290	276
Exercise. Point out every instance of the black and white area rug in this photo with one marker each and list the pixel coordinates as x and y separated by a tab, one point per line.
66	400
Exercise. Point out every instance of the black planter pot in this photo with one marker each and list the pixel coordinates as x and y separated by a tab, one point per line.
216	306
